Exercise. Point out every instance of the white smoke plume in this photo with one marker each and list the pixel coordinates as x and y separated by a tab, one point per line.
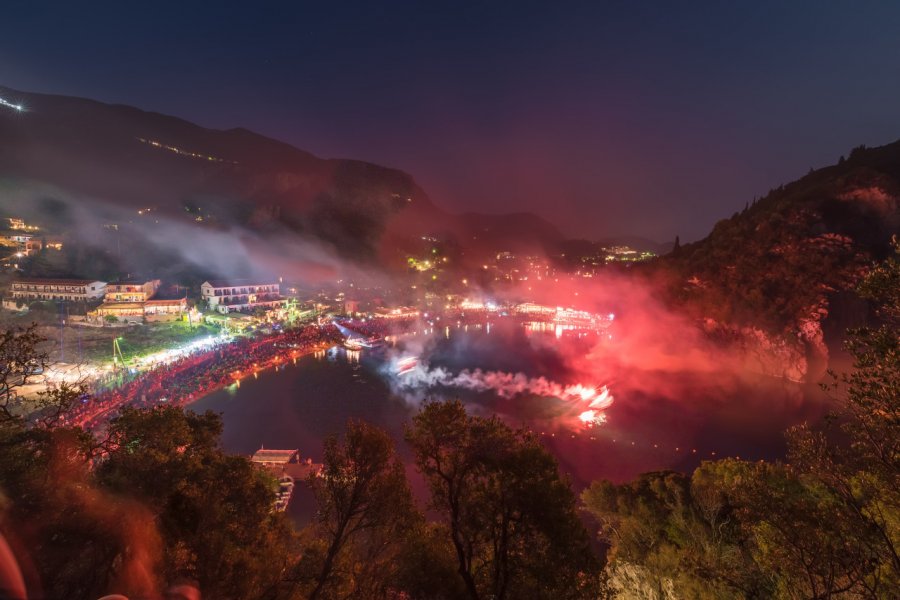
413	382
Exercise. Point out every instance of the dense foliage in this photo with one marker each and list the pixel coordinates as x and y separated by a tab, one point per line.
511	517
824	525
213	511
157	502
365	518
780	259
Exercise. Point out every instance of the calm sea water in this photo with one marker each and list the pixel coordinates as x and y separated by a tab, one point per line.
298	405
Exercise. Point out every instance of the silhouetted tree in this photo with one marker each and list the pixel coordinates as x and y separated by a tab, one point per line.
509	515
825	525
864	475
213	510
21	359
364	510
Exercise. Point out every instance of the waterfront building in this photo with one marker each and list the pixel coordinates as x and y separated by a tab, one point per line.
240	295
534	310
136	300
121	310
131	291
400	312
67	290
159	307
151	310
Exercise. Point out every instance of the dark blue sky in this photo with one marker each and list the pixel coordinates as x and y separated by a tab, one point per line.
606	117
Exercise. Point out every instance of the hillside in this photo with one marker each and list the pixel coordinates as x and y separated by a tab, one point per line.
788	264
778	274
125	157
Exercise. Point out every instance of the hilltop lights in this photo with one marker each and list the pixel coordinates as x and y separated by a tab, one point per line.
8	104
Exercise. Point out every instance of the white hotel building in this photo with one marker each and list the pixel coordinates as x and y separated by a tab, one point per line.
69	290
239	295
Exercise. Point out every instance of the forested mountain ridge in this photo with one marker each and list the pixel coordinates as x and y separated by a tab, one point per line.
786	266
134	159
824	523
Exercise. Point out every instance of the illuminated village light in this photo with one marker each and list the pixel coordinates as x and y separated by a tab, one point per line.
8	104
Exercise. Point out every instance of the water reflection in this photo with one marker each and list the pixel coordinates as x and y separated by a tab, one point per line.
300	404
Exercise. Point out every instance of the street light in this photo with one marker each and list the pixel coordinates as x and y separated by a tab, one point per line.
117	352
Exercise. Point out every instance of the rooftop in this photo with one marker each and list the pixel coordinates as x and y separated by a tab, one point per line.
264	455
40	281
165	301
138	282
223	283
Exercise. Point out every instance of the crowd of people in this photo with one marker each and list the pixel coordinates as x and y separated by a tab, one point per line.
187	378
195	374
379	327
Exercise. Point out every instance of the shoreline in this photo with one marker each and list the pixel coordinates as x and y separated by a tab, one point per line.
188	379
270	364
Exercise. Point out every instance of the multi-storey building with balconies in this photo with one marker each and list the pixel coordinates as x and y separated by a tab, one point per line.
68	290
131	291
240	295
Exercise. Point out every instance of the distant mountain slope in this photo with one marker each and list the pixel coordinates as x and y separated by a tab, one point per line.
132	158
788	263
517	232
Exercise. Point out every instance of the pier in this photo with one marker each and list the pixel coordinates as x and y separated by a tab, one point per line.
287	468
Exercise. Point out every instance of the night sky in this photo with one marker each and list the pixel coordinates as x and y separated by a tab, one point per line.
605	117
